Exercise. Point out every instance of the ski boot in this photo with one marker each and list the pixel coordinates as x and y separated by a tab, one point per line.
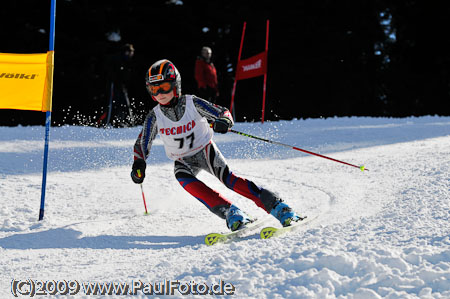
284	214
236	219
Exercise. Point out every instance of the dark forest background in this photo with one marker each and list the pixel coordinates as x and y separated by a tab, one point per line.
326	58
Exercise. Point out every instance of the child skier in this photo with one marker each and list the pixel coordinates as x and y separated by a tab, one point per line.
183	123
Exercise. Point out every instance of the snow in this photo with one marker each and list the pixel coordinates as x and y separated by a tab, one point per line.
382	233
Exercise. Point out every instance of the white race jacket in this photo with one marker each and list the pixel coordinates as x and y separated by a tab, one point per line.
185	137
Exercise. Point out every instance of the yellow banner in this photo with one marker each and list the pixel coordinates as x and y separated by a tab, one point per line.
26	81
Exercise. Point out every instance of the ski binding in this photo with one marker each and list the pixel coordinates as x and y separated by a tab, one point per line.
214	238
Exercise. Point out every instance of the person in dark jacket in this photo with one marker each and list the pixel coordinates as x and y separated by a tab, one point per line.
206	76
119	69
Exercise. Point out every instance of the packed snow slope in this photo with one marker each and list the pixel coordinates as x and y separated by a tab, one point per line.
382	233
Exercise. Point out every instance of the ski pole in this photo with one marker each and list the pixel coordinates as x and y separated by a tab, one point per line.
362	167
142	190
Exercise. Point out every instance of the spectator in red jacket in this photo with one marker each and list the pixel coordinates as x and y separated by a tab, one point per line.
206	76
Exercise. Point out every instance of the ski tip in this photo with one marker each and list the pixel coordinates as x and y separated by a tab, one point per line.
267	232
213	238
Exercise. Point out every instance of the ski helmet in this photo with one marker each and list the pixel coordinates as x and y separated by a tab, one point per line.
163	77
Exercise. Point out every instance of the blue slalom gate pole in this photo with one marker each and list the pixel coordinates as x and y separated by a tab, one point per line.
48	117
48	114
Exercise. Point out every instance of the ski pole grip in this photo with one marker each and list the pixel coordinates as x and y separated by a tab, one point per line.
139	173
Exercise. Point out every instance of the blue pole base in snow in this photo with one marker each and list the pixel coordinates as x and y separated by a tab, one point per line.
44	170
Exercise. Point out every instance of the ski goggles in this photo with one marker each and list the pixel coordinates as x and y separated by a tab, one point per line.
164	88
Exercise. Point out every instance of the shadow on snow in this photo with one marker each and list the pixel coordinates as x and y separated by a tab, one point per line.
70	238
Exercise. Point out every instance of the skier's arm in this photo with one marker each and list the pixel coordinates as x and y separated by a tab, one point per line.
142	147
219	116
147	135
211	111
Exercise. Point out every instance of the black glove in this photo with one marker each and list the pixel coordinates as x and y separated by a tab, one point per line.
138	172
222	125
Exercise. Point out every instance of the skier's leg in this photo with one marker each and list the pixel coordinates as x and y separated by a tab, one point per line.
263	198
217	165
214	201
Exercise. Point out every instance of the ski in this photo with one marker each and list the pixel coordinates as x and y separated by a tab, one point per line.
270	232
214	238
